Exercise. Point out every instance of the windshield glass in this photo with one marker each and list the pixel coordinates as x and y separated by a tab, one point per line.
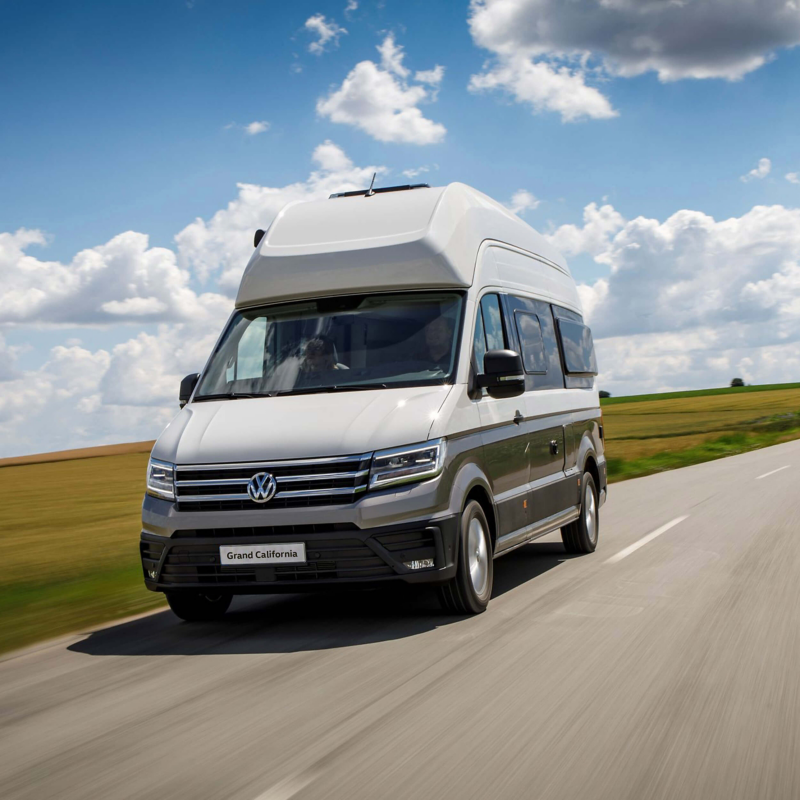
337	344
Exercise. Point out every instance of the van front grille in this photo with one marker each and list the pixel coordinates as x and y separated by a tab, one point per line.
328	559
300	484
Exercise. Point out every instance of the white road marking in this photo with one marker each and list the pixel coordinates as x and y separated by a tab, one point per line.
644	540
288	788
767	474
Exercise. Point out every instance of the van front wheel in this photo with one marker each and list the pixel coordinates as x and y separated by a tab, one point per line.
469	591
199	606
581	535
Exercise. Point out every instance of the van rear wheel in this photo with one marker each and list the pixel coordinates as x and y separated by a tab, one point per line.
581	535
469	591
199	606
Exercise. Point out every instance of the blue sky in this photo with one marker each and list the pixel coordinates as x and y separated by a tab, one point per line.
128	116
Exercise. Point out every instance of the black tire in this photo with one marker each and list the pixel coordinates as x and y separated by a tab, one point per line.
199	606
581	535
471	588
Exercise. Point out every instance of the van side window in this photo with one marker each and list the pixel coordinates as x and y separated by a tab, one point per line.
529	331
550	374
577	348
493	323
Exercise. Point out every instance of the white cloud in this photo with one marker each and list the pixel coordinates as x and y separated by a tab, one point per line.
793	177
380	101
413	173
521	201
431	76
553	43
352	5
599	223
759	172
545	87
392	57
326	31
738	275
687	300
122	280
80	398
254	128
8	360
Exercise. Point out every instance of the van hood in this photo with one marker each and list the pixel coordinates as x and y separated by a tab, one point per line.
300	426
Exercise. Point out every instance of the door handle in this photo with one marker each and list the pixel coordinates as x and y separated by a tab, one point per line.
518	418
554	446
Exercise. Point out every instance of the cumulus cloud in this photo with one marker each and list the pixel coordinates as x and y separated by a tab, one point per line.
379	100
521	201
122	280
793	177
326	31
545	49
352	5
545	87
760	171
81	398
690	289
432	76
8	360
254	128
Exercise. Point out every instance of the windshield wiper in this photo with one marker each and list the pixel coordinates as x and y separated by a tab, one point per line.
228	396
346	387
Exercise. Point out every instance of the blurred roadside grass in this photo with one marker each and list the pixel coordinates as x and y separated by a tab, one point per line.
69	530
69	546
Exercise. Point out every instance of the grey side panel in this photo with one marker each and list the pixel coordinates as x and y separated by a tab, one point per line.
505	458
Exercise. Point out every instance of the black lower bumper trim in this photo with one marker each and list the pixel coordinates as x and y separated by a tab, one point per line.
335	557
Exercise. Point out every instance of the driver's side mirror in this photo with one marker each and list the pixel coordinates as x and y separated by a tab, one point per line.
187	387
503	375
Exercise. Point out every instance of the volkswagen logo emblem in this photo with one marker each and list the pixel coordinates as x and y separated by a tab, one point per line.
262	487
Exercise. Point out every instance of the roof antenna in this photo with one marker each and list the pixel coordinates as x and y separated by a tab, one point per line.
371	191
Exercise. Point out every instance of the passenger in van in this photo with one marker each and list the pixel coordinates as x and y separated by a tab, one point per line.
320	355
439	342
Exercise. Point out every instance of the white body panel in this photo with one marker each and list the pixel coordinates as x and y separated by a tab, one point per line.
304	426
416	239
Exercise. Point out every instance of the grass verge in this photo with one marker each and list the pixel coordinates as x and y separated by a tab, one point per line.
762	433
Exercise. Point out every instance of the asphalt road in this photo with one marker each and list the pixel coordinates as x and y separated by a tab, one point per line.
665	670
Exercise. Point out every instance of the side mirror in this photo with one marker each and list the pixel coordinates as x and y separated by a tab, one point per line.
503	375
187	387
259	235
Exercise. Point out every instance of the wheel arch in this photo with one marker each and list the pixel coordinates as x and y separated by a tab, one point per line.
472	484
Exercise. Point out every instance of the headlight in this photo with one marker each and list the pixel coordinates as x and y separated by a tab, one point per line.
405	464
160	479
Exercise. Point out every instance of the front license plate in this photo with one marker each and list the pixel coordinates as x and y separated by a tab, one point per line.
240	555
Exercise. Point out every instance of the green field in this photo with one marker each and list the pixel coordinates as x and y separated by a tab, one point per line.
651	433
73	561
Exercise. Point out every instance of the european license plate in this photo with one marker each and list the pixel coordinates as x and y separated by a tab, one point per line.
240	555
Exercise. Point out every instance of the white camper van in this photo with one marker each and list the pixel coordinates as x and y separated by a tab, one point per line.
404	392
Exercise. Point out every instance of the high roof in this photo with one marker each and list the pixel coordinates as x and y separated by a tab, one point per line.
416	239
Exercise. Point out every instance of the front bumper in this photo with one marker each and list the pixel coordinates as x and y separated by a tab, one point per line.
337	554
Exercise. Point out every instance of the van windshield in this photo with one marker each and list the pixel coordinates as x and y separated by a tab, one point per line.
336	344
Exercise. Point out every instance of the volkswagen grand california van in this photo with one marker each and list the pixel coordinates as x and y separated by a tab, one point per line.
404	392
